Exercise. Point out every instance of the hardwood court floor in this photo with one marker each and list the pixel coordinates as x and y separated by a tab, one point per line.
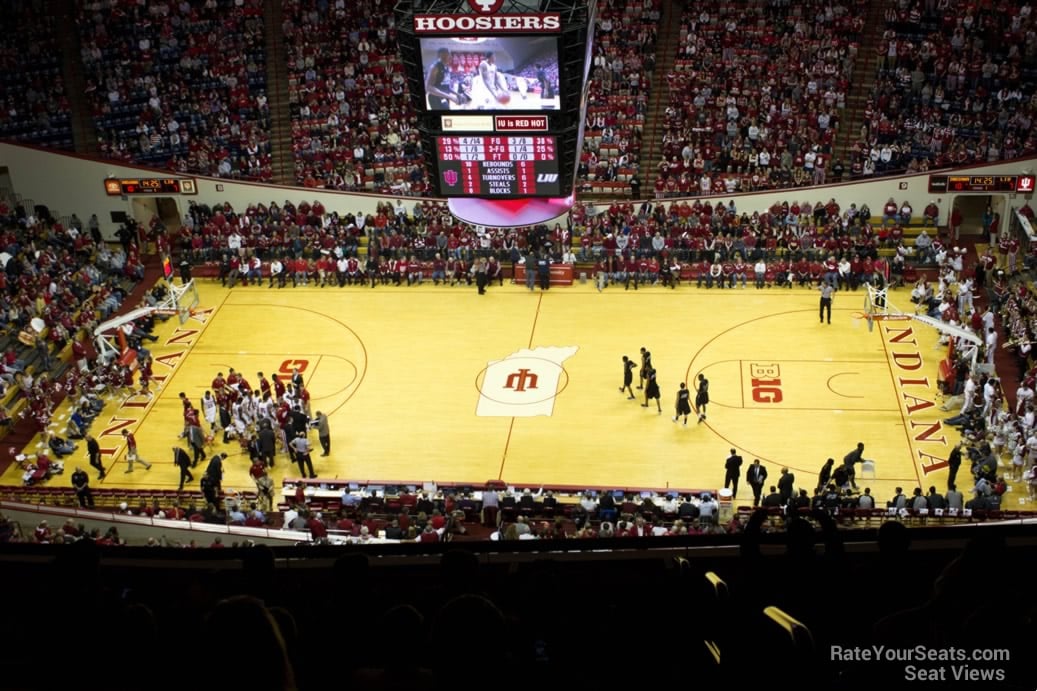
399	372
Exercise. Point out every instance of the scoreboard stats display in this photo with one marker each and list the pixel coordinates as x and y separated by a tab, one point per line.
498	86
1023	184
498	166
125	186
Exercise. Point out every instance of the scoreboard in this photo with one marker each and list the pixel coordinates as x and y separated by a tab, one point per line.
499	89
123	186
498	166
981	183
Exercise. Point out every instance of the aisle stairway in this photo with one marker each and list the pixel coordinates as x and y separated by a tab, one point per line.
665	55
84	134
277	95
862	81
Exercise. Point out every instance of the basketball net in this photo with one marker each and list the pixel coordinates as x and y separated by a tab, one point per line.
877	307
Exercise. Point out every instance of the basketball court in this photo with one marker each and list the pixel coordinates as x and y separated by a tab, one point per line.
440	384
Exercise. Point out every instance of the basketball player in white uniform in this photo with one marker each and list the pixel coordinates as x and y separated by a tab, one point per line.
490	89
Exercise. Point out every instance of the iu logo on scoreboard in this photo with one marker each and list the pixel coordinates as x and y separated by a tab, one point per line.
485	6
450	177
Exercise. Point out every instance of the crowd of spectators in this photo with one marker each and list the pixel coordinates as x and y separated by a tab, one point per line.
61	274
756	96
398	243
34	108
353	126
955	86
409	243
617	101
696	231
179	85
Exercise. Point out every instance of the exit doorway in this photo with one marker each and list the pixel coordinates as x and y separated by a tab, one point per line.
973	208
166	209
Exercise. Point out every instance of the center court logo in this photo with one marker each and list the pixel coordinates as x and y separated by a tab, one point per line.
525	383
518	380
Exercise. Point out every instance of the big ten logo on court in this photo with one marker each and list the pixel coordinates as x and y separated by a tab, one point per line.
766	382
289	366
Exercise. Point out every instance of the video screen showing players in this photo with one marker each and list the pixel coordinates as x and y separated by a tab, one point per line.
491	73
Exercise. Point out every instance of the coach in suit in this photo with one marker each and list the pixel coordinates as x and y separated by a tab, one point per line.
756	476
182	461
733	466
785	485
267	442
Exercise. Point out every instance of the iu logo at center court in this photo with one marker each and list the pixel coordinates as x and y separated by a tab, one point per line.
521	380
485	6
524	384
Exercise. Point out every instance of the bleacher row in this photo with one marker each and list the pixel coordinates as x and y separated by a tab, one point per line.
617	102
756	82
88	287
352	122
694	264
951	87
33	104
179	86
749	77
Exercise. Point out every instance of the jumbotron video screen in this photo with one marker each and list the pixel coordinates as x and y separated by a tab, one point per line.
490	73
499	89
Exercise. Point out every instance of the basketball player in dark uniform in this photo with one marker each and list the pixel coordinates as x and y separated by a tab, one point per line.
437	84
702	397
646	364
628	377
652	390
683	403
